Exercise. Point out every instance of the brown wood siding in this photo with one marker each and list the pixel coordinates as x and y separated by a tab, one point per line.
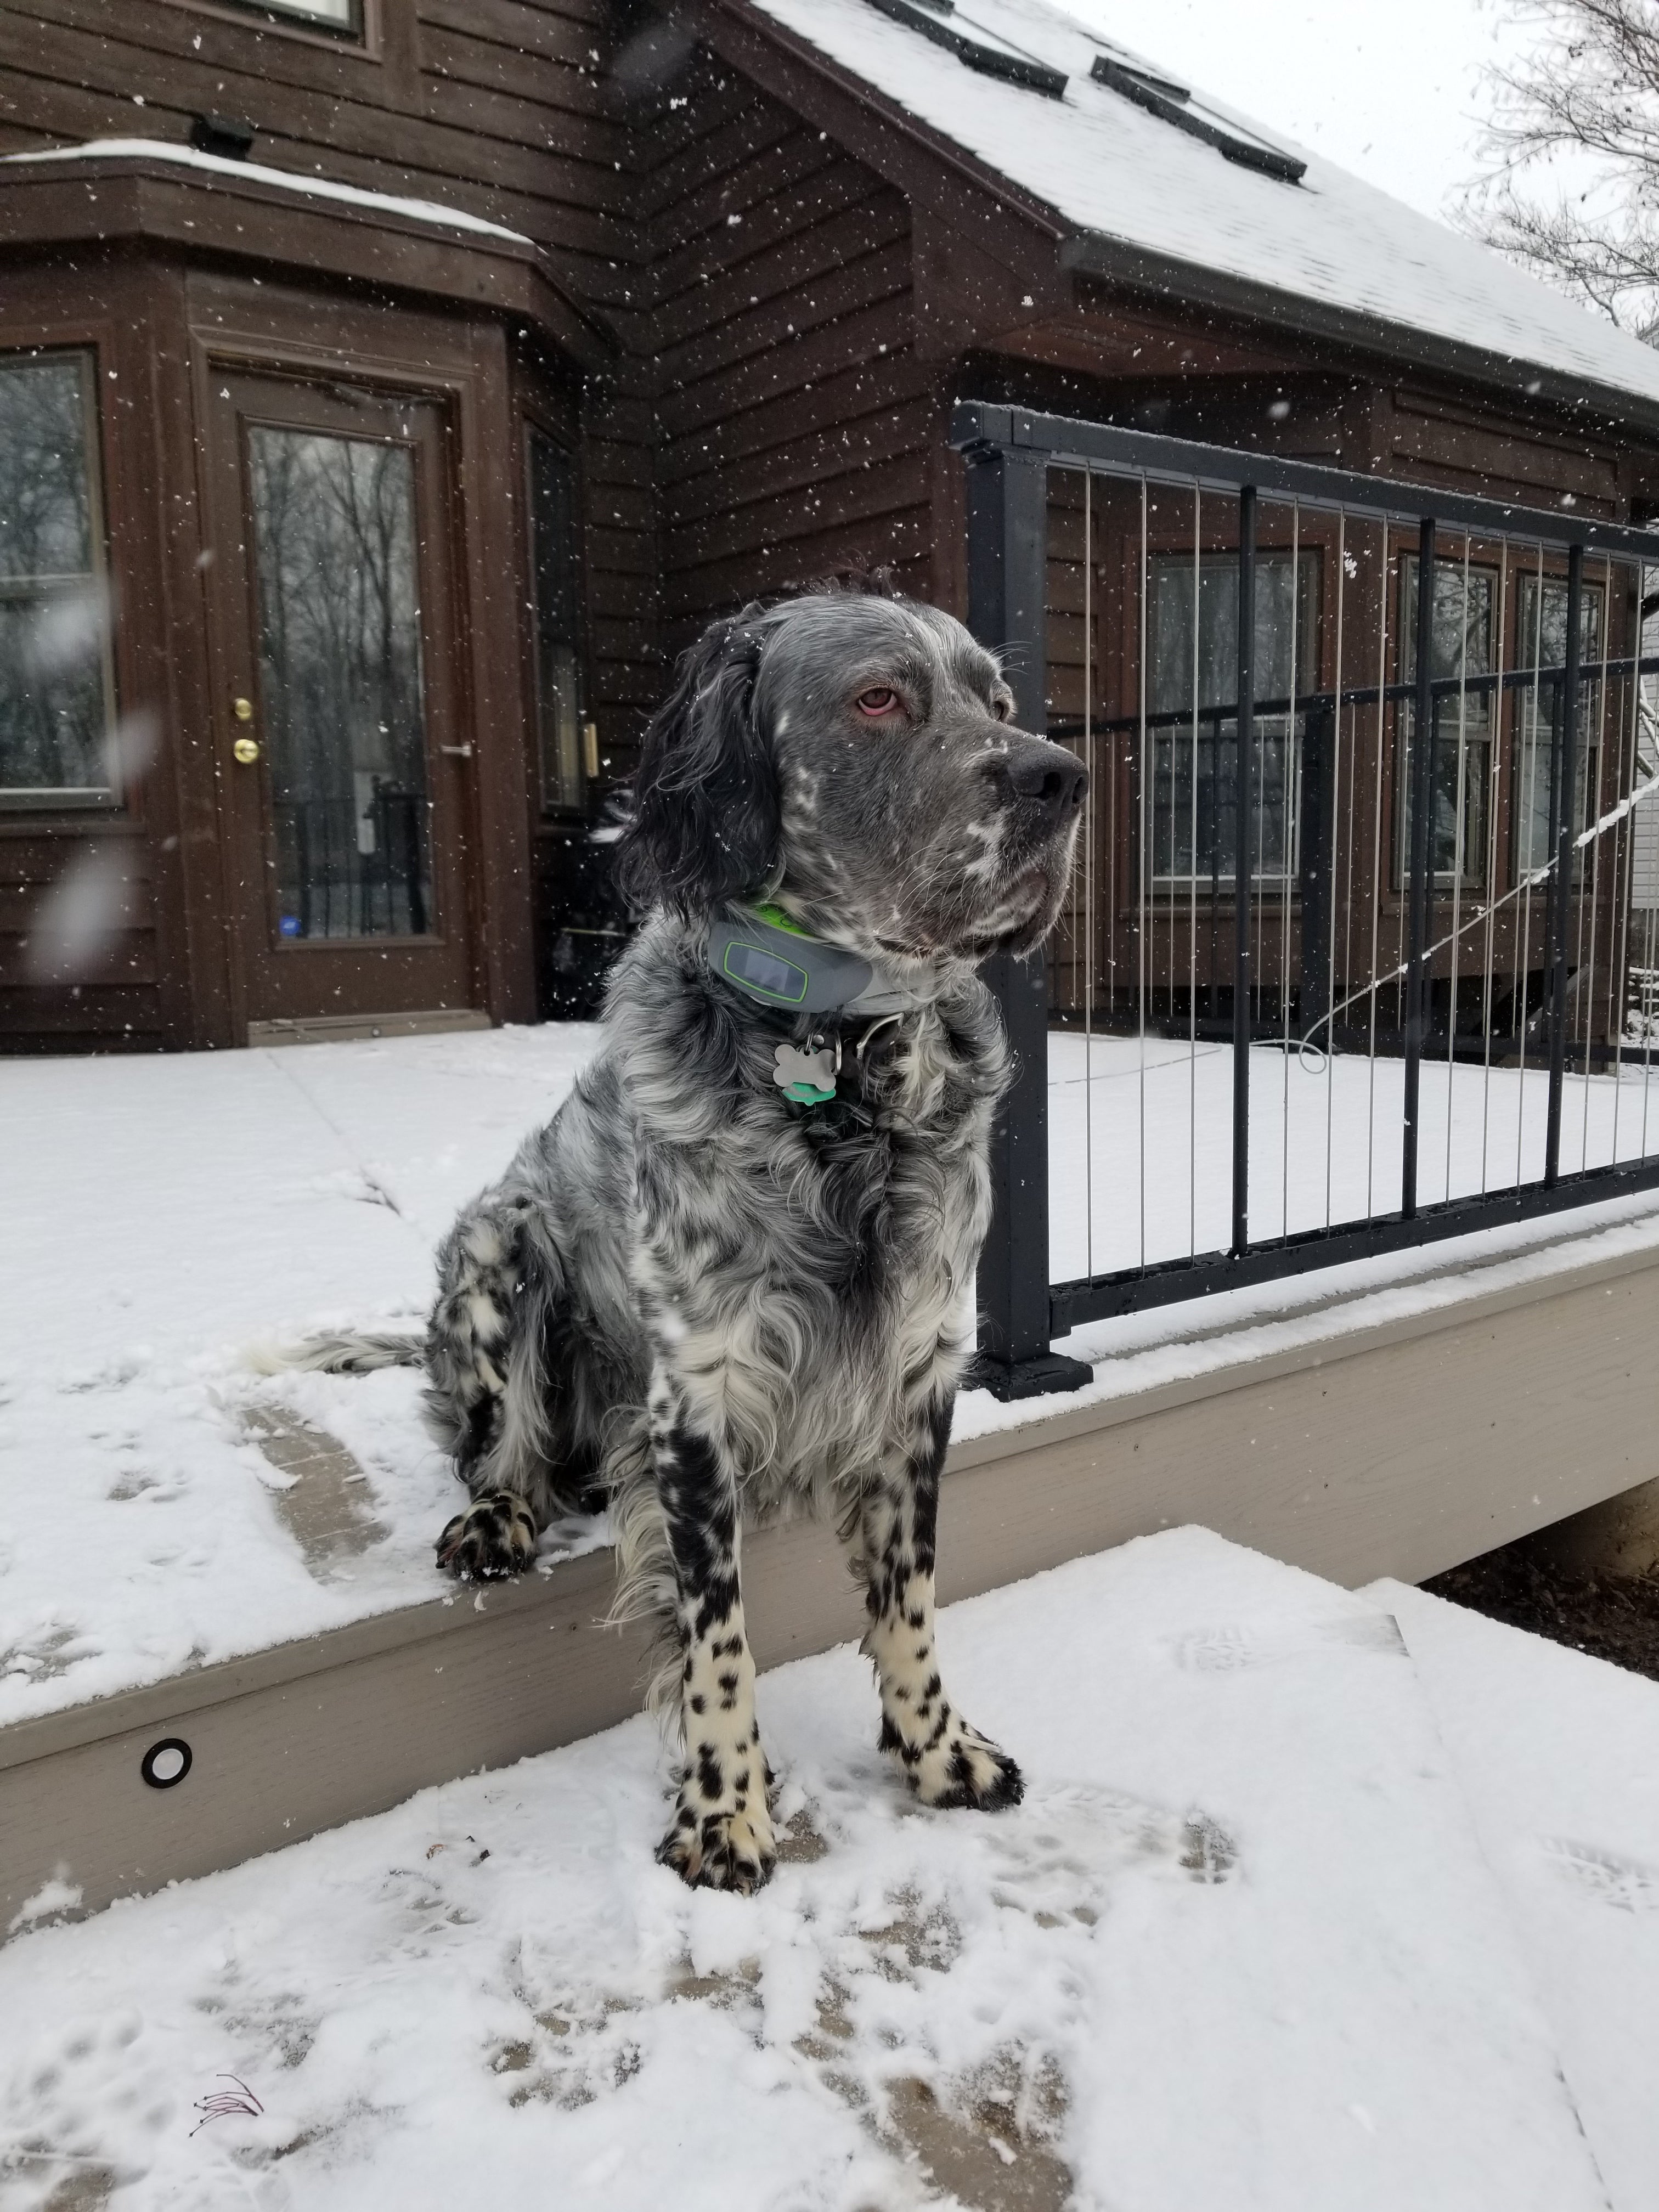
114	995
793	419
502	108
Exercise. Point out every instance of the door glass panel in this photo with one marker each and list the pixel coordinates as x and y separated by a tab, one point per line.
342	721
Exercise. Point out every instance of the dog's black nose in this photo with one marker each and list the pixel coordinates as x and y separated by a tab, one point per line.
1053	779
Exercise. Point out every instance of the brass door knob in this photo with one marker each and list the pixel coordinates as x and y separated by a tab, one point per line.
246	751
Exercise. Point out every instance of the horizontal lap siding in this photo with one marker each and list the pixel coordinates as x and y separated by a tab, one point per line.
103	879
510	120
793	419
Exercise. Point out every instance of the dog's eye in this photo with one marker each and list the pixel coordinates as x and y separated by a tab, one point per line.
1003	709
882	700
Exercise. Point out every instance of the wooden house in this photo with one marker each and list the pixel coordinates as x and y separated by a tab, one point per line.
389	388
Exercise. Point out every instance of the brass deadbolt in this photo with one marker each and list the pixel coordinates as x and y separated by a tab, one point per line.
243	709
246	751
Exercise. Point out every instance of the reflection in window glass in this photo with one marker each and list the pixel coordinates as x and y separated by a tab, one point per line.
327	15
341	709
1541	643
558	680
55	682
1185	642
1462	646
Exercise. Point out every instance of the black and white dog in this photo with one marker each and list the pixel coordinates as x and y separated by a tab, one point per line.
735	1271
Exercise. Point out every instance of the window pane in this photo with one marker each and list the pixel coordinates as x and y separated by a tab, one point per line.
1462	646
1541	643
342	718
1194	822
55	689
558	681
337	14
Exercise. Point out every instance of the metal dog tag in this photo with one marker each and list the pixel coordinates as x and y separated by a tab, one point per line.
808	1078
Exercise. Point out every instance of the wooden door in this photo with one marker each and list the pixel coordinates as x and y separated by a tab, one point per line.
342	766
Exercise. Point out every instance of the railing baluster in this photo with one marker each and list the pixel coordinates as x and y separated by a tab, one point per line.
1417	895
1563	776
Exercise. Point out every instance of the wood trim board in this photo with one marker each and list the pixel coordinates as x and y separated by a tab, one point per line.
1401	1447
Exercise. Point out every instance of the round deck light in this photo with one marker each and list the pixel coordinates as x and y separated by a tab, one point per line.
165	1764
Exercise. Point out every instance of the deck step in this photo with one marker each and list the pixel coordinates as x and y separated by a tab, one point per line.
1558	1754
1240	1946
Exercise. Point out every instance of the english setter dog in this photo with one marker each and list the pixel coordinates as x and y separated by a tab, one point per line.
734	1274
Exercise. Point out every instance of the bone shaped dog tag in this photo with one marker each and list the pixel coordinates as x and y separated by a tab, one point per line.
808	1078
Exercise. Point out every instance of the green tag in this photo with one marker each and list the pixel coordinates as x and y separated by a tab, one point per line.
809	1094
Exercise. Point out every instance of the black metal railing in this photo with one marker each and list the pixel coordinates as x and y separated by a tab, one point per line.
1402	921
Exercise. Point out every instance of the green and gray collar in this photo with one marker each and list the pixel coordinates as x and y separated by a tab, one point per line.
773	961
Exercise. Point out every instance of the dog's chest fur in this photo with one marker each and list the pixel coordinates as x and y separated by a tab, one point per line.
810	1279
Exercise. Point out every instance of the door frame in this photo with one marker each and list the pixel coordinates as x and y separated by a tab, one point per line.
463	369
320	977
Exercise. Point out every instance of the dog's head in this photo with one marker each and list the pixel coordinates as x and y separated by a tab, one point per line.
853	756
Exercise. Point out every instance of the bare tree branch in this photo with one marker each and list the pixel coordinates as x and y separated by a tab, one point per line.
1584	95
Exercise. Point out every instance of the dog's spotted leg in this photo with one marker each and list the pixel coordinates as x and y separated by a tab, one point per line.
493	1538
943	1760
721	1837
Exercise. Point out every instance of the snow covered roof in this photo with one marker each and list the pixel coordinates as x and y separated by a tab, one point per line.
1132	161
255	172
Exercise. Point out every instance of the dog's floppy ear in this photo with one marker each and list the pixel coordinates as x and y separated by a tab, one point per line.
704	828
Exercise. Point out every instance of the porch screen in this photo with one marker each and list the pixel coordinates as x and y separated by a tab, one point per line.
1192	684
56	694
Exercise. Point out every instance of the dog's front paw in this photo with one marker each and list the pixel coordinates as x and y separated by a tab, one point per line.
958	1766
493	1538
720	1851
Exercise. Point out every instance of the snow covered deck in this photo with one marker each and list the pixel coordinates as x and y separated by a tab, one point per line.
187	1548
1316	1901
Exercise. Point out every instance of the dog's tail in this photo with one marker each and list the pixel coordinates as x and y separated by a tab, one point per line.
341	1352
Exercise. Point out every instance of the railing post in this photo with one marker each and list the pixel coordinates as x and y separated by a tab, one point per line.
1243	767
1417	888
1564	778
1007	611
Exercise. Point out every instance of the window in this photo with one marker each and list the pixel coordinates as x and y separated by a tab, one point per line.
1541	643
57	690
344	15
1195	757
565	744
1462	646
1176	104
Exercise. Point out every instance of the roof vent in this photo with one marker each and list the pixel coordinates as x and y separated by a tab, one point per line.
924	16
227	136
1172	101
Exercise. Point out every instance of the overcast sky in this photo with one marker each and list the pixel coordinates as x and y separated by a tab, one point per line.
1387	87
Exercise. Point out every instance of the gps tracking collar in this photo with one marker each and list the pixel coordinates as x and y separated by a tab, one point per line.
776	964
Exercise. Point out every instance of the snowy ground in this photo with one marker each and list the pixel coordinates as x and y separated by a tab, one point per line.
1242	1948
161	1214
